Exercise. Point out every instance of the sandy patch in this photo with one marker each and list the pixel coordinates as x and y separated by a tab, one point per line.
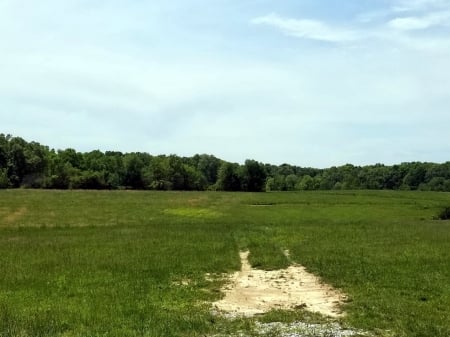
190	212
14	216
253	291
262	205
193	202
183	282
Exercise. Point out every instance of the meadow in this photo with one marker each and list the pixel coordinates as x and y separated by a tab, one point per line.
130	263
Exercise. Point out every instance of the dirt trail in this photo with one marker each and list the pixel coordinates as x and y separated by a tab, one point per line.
253	291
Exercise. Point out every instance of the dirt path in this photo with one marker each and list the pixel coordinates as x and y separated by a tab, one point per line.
253	291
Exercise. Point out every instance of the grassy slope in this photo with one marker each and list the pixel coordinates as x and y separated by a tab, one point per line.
79	263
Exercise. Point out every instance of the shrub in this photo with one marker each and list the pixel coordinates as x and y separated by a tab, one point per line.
444	214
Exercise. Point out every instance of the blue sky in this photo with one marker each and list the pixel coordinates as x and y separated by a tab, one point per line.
307	82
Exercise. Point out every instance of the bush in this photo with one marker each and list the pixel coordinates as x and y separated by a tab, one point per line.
444	214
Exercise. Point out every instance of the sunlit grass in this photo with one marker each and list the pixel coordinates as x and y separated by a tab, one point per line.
122	263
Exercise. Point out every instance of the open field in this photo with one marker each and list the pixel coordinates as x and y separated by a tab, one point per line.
122	263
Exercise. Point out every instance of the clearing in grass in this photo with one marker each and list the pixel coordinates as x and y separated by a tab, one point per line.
253	291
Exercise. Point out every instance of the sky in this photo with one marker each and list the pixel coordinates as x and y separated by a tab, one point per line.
307	82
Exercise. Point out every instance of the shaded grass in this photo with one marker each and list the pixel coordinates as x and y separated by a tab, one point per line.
444	214
84	263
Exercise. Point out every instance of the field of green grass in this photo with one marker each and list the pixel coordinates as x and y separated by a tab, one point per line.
127	263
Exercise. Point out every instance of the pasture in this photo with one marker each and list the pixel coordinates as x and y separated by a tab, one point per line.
129	263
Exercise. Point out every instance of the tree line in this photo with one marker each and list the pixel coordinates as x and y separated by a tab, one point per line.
32	165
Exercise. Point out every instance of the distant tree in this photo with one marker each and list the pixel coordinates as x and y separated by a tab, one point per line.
271	170
435	184
447	185
394	177
92	180
349	177
228	177
4	145
194	179
253	176
302	171
113	180
17	165
329	178
338	186
374	177
177	174
111	165
291	182
415	176
306	183
270	184
279	183
95	161
286	169
32	165
37	164
72	157
4	180
134	166
63	174
209	166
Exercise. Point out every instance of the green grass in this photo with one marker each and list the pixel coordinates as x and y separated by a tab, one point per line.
126	263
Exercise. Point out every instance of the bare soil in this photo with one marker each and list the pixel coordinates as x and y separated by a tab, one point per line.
253	291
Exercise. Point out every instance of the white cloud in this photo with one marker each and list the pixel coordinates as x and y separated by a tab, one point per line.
308	29
397	33
409	23
423	22
419	5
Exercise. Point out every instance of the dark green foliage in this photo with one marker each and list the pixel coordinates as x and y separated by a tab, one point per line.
444	214
229	177
31	165
209	166
4	180
253	176
90	180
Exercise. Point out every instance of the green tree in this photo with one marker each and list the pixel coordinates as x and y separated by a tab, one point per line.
91	180
16	161
176	172
63	174
72	157
4	181
349	177
4	145
253	176
194	180
209	166
291	182
228	177
306	183
436	184
134	166
415	176
270	184
157	175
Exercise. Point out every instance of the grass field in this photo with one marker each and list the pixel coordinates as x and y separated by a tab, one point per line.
123	263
